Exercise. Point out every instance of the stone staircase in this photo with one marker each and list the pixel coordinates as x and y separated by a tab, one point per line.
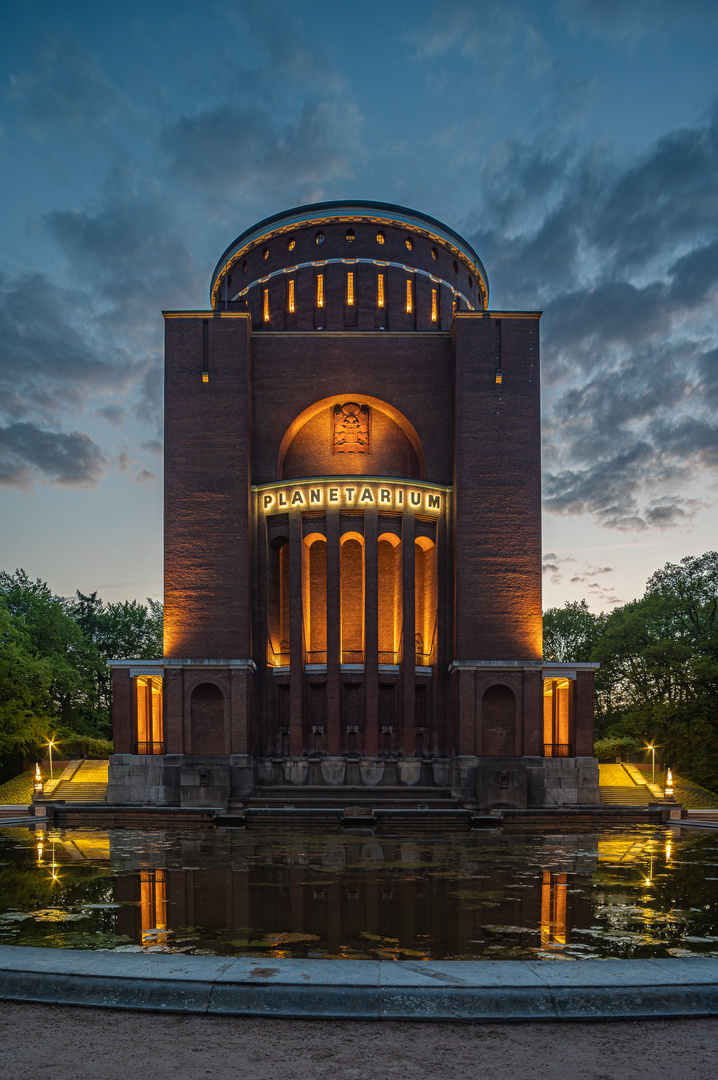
618	787
80	782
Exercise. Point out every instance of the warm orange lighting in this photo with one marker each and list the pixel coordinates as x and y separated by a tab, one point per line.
380	300
409	297
380	238
320	290
553	908
499	378
205	376
290	297
148	697
153	907
556	710
266	305
350	287
434	306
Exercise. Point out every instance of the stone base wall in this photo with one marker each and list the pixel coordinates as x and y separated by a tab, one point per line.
495	783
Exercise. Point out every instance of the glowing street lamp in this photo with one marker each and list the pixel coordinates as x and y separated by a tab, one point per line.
51	744
652	748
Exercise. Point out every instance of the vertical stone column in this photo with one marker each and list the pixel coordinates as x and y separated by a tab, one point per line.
334	633
296	636
371	632
408	673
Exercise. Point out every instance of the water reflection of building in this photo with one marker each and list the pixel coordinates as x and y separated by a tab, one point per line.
374	896
352	533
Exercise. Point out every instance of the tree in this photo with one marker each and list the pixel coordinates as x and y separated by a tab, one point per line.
25	682
571	633
659	658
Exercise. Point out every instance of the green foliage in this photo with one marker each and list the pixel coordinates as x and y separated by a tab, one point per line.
614	745
54	678
79	746
658	680
571	632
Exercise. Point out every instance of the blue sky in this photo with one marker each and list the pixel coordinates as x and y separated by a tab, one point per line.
574	143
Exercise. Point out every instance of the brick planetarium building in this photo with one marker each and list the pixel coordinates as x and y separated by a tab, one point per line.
352	535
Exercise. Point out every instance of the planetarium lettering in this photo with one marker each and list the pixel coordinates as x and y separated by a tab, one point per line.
356	495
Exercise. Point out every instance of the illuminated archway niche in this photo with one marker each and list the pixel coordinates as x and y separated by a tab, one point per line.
425	600
278	602
557	708
390	598
314	597
307	449
352	597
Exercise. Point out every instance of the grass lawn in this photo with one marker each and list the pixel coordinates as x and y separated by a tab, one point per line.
19	789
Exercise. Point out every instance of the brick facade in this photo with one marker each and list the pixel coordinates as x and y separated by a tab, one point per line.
352	522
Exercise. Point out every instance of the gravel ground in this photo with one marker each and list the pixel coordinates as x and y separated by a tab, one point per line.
60	1042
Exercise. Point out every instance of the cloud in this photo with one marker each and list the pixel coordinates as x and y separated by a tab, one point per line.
247	153
29	453
66	90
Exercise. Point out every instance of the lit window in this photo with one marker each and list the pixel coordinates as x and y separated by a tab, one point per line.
350	235
319	238
456	302
434	253
290	297
350	287
320	290
380	290
291	244
380	238
434	306
409	298
265	253
409	244
266	305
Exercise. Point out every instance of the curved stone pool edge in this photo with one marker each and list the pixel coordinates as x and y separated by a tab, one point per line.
500	990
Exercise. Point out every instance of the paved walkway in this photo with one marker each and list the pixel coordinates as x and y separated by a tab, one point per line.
363	989
54	1042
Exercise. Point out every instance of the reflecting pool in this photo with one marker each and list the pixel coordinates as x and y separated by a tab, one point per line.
637	891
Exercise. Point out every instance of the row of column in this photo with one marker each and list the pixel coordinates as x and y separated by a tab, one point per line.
407	675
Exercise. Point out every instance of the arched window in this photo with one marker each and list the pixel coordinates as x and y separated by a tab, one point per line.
207	720
390	605
352	598
314	597
425	600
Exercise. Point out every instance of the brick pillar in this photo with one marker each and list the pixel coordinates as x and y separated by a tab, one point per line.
371	633
584	714
123	727
239	710
468	740
408	673
334	642
174	711
533	713
296	636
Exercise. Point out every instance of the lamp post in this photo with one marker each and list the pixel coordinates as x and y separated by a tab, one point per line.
51	744
653	753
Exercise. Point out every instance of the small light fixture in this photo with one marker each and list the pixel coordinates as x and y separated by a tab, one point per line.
205	376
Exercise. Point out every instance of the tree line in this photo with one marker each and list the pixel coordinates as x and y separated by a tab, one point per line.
54	679
658	680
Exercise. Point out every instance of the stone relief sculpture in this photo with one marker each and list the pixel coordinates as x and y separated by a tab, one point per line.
351	429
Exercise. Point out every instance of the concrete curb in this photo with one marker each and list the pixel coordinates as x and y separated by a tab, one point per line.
363	989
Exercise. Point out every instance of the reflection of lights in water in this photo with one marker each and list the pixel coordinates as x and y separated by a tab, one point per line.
553	908
668	850
153	907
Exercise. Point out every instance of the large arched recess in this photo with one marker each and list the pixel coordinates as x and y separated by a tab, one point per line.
376	403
